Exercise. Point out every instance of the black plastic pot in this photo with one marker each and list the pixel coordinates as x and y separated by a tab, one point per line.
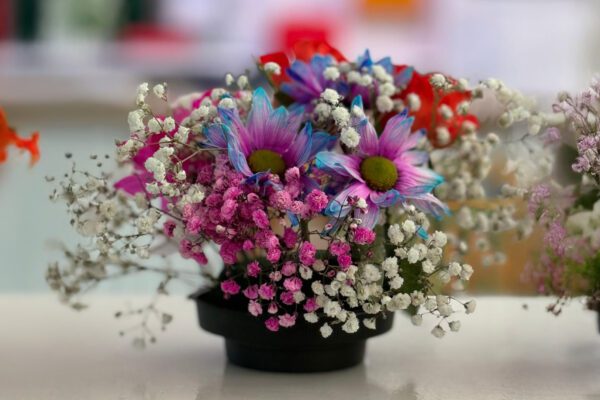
300	348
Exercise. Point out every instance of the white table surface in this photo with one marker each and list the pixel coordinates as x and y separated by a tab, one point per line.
502	352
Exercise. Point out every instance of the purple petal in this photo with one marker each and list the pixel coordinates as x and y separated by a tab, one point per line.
236	156
338	206
305	85
300	150
430	204
369	142
322	141
340	164
232	120
415	180
259	113
415	157
395	134
369	220
215	136
273	134
385	199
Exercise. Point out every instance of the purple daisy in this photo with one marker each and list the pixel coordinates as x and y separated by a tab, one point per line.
307	80
269	141
384	171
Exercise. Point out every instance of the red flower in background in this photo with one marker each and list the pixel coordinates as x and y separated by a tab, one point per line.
429	115
8	137
302	50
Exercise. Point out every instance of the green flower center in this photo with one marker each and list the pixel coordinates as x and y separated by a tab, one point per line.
266	160
379	173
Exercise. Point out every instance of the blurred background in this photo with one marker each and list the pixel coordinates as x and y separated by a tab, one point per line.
69	68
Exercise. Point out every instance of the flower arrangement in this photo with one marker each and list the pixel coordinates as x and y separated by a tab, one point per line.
569	211
320	199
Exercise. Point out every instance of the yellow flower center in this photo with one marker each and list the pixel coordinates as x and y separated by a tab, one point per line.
266	160
379	173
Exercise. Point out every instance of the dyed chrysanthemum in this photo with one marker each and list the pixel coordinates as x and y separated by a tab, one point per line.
269	141
307	79
384	171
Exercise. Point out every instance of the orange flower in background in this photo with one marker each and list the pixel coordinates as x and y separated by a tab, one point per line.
8	137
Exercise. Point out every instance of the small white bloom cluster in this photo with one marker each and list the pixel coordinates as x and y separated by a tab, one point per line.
464	165
272	68
377	286
329	109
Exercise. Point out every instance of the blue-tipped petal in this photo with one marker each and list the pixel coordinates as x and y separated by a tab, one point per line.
357	102
293	219
261	108
215	136
403	78
422	233
338	164
386	63
369	220
386	199
431	205
365	61
305	143
322	141
237	158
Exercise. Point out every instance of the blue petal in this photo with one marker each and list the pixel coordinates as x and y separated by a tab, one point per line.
365	60
357	102
305	153
386	199
339	164
322	141
386	63
261	108
255	179
215	136
403	78
237	158
293	218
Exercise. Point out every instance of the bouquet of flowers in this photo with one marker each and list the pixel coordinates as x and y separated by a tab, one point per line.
319	198
569	212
